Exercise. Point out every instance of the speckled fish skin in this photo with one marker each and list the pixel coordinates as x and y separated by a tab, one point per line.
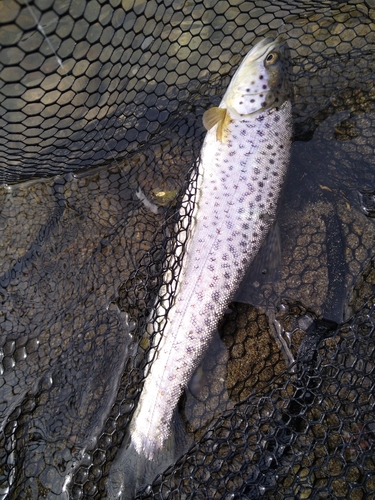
241	174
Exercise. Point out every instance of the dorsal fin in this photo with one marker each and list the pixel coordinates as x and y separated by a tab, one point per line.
214	116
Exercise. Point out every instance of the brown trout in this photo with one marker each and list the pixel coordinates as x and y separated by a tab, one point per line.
244	161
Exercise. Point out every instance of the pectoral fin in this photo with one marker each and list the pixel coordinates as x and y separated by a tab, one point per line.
219	116
213	116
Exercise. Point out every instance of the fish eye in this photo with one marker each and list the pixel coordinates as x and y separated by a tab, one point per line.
271	58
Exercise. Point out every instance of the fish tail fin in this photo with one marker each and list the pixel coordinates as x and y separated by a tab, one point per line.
173	448
122	481
132	471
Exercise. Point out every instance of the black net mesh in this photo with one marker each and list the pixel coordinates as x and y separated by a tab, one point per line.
101	105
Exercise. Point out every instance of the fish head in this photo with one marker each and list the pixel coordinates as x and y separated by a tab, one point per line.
262	80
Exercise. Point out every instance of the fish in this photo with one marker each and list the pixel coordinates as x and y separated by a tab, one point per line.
243	165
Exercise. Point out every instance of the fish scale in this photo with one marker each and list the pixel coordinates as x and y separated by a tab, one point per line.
240	175
236	208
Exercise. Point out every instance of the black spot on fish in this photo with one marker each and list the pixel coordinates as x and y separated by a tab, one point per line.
276	118
261	77
264	104
264	86
272	161
252	100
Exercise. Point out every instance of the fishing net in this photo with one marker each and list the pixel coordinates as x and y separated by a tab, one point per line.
101	106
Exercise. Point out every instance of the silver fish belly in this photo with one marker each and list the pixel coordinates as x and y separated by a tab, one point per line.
240	177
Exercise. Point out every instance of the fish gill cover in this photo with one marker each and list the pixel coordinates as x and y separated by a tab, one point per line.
101	129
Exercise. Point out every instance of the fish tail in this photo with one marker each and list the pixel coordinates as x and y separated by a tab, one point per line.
125	473
133	470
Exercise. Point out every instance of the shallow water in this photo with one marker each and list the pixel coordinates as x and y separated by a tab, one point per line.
82	252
